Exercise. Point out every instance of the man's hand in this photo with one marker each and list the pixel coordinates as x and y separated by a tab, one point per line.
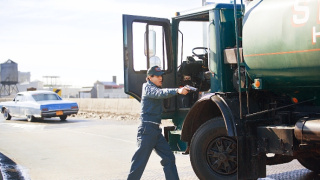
183	90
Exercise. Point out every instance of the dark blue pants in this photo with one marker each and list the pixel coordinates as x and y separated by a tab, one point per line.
150	137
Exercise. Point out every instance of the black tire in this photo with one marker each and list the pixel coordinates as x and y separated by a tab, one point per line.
63	118
312	163
6	114
31	118
213	154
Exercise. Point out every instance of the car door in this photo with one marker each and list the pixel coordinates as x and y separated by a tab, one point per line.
24	105
15	108
147	42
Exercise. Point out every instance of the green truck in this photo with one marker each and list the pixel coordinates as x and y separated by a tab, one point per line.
256	69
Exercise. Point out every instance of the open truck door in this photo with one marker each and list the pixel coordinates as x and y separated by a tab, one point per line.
146	42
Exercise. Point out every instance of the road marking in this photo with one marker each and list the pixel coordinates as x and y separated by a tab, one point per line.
98	135
25	126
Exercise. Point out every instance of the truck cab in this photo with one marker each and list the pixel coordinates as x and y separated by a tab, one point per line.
181	53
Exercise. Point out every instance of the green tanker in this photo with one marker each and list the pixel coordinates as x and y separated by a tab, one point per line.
281	44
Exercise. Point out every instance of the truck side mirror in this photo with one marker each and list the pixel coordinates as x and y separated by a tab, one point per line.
151	44
155	61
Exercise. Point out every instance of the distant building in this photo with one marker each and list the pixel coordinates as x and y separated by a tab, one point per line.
85	92
103	89
108	90
38	85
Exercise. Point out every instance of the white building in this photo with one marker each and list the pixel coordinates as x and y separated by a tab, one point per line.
108	90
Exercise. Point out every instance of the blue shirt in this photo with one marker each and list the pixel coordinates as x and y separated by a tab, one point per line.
151	101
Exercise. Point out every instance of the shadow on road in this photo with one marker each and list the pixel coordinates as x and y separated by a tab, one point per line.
48	121
301	174
9	169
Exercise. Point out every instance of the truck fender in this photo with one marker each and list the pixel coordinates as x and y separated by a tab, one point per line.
206	108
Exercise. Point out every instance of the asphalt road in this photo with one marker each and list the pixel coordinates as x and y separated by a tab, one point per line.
91	149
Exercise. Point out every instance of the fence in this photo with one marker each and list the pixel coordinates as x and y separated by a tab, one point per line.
114	106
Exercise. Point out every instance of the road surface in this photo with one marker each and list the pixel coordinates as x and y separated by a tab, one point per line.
93	149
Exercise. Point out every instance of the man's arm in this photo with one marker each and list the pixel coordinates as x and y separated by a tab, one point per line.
157	93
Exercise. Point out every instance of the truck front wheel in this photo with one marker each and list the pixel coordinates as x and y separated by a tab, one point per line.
213	154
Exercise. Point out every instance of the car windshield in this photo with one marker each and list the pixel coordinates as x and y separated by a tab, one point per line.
45	97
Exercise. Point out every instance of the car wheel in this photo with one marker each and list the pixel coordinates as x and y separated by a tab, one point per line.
31	118
6	114
213	154
63	118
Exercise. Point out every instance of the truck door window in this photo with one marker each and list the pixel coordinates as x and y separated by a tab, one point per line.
193	58
157	49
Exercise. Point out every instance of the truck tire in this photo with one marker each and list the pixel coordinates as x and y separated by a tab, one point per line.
213	154
312	163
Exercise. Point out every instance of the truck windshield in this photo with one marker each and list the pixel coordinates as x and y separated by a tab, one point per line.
45	97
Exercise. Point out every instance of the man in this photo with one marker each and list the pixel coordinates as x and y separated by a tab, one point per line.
149	133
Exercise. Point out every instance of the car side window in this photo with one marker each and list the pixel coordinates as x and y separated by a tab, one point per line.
23	98
19	98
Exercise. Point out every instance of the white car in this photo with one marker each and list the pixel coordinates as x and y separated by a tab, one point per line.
38	104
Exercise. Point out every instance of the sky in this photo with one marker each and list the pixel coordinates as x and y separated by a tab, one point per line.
78	40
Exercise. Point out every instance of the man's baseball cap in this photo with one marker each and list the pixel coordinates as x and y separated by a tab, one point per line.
155	70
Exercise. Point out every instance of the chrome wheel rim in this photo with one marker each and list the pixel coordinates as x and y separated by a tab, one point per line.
222	155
